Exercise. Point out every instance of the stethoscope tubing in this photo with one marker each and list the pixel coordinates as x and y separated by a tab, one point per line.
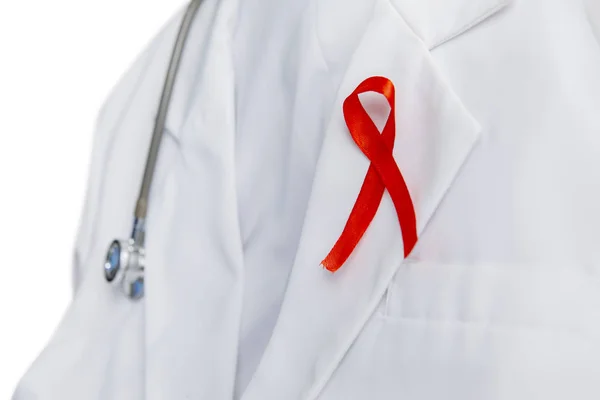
141	208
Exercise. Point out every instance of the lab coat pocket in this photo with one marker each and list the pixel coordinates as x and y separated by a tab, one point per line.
490	331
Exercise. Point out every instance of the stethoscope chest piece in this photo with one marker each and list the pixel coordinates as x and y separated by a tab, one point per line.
124	267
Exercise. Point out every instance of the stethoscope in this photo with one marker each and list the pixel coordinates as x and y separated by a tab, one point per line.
125	259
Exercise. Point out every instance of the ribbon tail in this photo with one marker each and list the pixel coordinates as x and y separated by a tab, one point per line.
360	218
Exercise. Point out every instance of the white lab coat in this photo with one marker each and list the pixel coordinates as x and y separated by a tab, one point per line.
498	138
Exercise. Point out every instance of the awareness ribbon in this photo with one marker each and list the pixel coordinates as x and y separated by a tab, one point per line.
383	173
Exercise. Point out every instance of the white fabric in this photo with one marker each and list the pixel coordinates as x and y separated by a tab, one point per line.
278	138
497	137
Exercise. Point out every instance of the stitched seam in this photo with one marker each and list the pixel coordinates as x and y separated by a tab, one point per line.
488	325
486	14
538	267
401	16
388	295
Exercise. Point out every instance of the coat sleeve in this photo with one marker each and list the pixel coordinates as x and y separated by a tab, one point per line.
109	117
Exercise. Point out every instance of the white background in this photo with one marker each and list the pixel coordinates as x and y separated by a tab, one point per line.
58	61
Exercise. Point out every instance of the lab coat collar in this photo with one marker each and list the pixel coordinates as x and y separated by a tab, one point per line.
436	22
323	313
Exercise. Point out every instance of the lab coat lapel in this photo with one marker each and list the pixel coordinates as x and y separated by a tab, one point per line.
323	313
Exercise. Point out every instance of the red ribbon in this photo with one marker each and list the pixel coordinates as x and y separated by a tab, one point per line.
383	173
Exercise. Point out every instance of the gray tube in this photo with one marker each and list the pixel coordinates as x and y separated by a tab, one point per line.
141	207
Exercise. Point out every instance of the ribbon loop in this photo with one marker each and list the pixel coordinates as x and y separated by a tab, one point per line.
383	173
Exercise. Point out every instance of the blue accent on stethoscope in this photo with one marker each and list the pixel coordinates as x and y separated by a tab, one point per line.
114	256
138	289
113	261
